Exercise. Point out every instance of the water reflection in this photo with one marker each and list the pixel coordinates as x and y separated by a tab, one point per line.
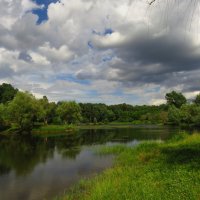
41	167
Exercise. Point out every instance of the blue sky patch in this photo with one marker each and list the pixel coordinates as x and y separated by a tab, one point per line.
107	58
107	31
42	13
90	45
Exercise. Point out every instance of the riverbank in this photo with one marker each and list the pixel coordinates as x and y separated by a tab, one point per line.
153	170
67	128
55	130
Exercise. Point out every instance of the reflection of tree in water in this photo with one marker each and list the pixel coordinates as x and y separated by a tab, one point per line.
101	136
4	169
69	146
97	136
22	154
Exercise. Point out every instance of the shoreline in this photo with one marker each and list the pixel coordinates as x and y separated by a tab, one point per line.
152	170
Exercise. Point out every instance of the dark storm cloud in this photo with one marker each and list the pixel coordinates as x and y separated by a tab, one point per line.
156	59
165	54
174	52
189	80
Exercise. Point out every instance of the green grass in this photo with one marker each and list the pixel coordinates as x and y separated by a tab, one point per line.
111	125
152	170
75	127
43	129
54	128
104	126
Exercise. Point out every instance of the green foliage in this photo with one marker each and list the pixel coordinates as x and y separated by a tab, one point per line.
56	130
28	110
187	115
150	171
69	112
94	113
190	114
7	92
122	113
180	113
155	117
176	99
23	110
163	117
197	99
47	110
2	116
174	115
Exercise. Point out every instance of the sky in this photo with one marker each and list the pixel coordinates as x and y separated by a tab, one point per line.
105	51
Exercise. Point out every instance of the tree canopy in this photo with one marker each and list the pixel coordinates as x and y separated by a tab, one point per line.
197	99
7	92
176	99
69	112
23	110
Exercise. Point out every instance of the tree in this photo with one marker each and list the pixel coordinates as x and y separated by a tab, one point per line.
69	112
97	112
43	105
186	114
197	99
190	115
175	98
47	110
174	115
7	92
163	117
23	110
87	111
2	116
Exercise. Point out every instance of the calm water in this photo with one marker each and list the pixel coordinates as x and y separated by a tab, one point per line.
35	168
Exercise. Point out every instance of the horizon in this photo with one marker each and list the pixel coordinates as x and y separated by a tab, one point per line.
108	52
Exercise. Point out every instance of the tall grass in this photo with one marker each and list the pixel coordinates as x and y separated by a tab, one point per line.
152	170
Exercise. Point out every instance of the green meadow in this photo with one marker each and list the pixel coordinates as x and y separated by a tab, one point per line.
152	170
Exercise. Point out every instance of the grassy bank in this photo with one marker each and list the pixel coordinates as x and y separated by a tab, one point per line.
40	128
167	171
54	128
83	126
71	128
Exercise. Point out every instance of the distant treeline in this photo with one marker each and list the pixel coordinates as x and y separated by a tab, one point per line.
22	111
93	113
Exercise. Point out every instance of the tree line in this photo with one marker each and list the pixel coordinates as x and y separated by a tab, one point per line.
22	111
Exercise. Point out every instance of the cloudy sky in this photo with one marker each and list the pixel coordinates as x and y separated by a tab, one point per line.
110	51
